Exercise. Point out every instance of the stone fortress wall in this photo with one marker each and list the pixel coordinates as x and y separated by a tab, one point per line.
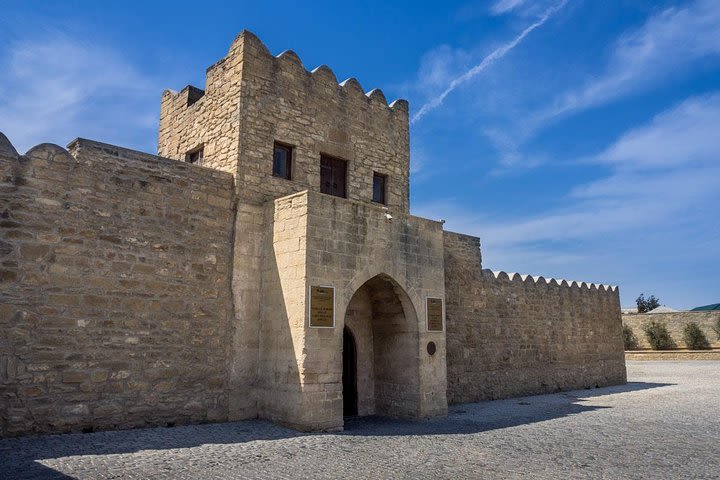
115	300
137	290
675	322
510	335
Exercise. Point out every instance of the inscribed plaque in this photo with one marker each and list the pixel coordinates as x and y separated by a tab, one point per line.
434	314
322	306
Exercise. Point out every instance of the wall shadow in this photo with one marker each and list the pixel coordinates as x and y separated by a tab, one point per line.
479	417
20	456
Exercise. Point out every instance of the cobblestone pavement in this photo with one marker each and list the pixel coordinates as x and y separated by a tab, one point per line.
664	424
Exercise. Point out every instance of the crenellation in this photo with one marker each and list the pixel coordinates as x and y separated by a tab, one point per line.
516	277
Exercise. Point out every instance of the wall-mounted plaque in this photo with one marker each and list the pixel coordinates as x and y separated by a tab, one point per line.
322	306
434	314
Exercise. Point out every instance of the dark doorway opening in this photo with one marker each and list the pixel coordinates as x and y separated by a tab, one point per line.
349	376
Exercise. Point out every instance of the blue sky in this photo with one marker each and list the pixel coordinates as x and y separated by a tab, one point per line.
579	139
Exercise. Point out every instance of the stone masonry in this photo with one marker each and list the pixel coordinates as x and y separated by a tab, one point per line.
115	300
144	290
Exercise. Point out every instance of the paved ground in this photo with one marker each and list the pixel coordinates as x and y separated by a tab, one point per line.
664	424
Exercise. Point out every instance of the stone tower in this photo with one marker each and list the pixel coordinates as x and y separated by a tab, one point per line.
253	100
358	242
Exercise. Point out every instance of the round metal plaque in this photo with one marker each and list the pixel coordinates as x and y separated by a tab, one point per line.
431	348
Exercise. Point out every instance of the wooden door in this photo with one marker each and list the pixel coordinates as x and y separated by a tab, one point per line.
333	175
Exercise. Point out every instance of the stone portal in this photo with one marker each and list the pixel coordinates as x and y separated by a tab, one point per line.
384	326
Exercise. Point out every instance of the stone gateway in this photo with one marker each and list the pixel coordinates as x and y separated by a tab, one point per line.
264	264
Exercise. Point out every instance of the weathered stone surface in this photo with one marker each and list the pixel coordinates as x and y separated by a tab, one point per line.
98	289
513	336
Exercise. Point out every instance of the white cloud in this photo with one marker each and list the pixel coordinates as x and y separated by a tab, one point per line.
440	66
58	88
664	46
686	134
663	185
487	62
504	6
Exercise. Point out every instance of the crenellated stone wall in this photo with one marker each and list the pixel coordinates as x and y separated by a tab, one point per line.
115	301
137	290
511	335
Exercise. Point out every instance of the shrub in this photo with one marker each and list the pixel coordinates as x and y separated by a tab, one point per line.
694	337
629	338
658	336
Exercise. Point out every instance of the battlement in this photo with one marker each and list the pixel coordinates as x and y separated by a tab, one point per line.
539	280
253	100
289	64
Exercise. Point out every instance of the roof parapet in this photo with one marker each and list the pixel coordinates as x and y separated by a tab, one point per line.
516	277
249	41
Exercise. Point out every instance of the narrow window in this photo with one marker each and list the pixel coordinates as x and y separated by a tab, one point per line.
282	161
333	176
195	156
379	186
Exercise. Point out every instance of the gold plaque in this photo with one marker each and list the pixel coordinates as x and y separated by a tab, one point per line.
434	314
322	306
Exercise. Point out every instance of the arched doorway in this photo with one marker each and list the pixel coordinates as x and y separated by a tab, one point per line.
385	343
349	376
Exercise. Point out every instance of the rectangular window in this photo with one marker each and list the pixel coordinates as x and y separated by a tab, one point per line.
195	156
282	161
379	188
333	175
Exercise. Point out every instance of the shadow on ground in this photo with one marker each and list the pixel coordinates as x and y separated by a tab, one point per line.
20	457
478	417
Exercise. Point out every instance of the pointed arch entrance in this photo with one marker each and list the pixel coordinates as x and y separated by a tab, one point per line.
382	322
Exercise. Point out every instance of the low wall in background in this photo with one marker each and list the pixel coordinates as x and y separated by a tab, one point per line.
675	322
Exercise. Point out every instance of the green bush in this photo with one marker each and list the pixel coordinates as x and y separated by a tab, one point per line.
629	338
658	336
694	337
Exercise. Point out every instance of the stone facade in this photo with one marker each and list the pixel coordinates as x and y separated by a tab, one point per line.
675	322
138	290
115	300
511	335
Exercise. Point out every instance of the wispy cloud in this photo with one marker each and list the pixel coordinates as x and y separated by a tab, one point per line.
493	57
60	87
661	48
504	6
662	185
684	136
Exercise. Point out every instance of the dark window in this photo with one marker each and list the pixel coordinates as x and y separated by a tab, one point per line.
333	172
282	161
379	185
194	156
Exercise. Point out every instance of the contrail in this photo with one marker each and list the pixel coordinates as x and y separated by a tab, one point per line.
496	54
